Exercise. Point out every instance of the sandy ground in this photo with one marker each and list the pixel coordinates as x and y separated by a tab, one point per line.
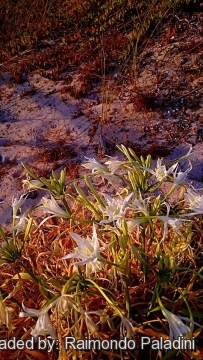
45	124
47	128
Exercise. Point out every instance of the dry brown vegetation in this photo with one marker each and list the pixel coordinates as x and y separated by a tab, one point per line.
95	35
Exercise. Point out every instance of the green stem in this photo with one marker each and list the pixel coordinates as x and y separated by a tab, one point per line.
110	302
155	297
127	295
66	206
33	276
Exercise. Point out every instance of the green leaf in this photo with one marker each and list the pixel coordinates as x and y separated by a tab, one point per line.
23	276
3	235
87	202
30	172
28	228
95	193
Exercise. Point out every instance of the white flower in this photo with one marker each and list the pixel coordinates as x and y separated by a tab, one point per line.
99	169
173	222
22	223
17	203
114	164
179	177
65	304
177	327
88	251
33	184
95	166
43	325
91	326
141	205
134	223
195	202
160	171
115	209
51	206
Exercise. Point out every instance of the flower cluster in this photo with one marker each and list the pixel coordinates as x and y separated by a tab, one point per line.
110	257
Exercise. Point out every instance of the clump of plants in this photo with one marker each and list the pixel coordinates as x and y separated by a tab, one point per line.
105	266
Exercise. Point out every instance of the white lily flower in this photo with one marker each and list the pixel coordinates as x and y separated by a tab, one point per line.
51	206
43	325
195	202
141	205
173	222
177	327
88	250
17	203
160	171
22	223
115	209
114	164
64	305
95	166
179	177
99	169
33	184
134	223
91	326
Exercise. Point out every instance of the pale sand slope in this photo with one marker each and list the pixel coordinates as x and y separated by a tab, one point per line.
42	125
